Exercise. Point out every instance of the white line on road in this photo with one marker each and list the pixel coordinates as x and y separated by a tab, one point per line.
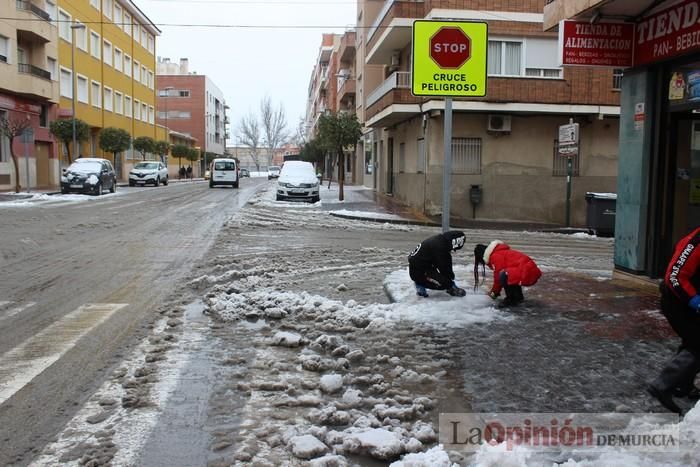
16	310
26	361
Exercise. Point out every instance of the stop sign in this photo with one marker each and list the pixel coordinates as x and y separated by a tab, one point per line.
450	47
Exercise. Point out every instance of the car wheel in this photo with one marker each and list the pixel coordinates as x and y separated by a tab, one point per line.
315	199
279	198
64	190
113	188
235	185
157	182
165	182
131	183
211	185
98	190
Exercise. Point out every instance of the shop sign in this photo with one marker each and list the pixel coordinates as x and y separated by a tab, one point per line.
8	103
600	44
639	116
568	139
669	33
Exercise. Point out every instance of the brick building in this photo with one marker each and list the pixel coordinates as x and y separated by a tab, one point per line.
193	105
505	142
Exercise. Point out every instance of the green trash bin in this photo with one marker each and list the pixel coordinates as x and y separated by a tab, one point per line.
600	215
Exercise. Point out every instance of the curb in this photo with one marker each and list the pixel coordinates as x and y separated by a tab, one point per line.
385	221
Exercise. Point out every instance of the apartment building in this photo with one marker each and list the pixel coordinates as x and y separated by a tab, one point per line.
332	88
193	105
504	144
29	90
658	199
113	75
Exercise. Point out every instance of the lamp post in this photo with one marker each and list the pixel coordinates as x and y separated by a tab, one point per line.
167	129
73	27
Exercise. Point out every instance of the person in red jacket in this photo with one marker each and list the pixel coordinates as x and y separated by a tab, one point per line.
680	304
511	270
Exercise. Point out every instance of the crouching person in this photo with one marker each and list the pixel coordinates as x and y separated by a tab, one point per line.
430	264
680	304
511	270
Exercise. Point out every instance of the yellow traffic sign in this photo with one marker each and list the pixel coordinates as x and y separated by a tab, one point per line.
449	58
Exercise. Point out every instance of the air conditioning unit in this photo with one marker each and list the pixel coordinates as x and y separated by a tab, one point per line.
499	123
396	58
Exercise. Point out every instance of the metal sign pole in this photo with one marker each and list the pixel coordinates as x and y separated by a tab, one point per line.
447	166
569	174
26	156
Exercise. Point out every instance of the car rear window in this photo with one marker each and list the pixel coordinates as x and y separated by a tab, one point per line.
225	165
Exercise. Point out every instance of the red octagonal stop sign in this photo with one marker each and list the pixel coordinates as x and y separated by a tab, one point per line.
450	47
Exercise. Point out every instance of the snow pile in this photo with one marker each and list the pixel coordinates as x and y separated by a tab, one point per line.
377	442
331	383
433	457
307	447
369	215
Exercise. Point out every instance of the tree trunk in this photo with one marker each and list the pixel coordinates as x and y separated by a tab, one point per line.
341	174
70	161
14	161
330	172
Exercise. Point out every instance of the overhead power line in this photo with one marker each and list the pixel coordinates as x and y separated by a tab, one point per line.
207	25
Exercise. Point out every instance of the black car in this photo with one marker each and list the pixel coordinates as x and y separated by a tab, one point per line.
89	175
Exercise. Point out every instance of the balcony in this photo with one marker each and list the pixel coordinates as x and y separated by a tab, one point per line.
392	101
392	29
346	90
347	47
34	71
29	28
558	10
29	81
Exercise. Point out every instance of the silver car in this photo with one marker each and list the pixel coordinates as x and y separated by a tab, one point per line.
148	172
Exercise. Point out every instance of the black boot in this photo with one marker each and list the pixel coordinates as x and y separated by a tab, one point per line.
456	291
678	371
514	295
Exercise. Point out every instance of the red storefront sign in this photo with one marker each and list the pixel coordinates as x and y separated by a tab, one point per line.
599	44
669	33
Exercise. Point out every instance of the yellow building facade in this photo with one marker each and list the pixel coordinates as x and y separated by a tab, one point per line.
115	66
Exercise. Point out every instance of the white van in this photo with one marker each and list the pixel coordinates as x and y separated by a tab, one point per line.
223	172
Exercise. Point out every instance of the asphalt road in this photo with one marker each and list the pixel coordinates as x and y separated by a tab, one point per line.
82	282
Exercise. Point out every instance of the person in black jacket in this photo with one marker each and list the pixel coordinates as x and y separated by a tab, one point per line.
430	263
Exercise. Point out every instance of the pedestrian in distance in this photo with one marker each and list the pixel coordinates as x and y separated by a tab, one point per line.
512	270
181	173
189	171
430	264
680	304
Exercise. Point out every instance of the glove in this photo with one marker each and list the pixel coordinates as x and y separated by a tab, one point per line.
694	303
494	295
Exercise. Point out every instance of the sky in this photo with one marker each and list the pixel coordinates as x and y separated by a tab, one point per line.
273	56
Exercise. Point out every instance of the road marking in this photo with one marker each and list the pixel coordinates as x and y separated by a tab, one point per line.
16	310
26	361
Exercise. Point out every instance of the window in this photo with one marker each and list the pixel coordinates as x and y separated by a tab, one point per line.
144	75
52	65
50	9
541	58
543	72
44	116
137	33
137	71
108	99
82	87
127	65
466	155
151	43
96	94
66	83
185	93
617	78
118	15
559	167
118	103
118	59
505	58
151	114
420	162
150	80
107	8
95	3
144	37
137	110
4	49
127	23
64	25
107	56
95	46
127	106
144	112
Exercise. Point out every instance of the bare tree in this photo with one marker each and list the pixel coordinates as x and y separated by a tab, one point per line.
274	123
12	128
249	136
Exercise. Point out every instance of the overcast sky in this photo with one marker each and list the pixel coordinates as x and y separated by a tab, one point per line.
249	63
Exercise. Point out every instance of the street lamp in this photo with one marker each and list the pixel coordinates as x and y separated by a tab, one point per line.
167	129
73	27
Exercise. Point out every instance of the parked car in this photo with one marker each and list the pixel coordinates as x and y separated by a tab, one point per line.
148	172
89	175
273	172
223	172
244	173
207	174
298	181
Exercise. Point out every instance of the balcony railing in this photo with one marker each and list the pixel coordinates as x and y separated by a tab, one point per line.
34	70
397	80
29	6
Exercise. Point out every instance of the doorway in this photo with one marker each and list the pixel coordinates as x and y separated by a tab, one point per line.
43	167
